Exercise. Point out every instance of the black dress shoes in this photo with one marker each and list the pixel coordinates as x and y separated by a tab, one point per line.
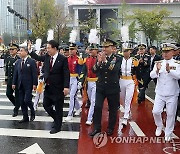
109	132
32	117
94	133
15	114
24	120
54	131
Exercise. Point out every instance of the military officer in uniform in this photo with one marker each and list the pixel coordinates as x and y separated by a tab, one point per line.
74	63
167	73
107	69
87	71
11	60
143	71
176	56
126	82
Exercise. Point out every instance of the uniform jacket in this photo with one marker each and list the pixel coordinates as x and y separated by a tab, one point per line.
108	75
167	83
10	63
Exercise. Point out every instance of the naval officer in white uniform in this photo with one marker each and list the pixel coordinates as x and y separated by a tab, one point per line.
167	72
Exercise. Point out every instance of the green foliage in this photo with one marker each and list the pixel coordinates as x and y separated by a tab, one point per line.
90	23
61	31
121	19
150	22
173	31
43	17
132	30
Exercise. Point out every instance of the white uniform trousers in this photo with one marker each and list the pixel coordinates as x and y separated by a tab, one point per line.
39	97
126	94
74	103
91	95
171	106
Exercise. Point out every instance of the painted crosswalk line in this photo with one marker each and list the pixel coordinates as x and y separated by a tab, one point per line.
136	129
38	133
38	118
2	107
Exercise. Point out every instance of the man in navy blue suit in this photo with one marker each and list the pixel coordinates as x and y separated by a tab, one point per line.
25	77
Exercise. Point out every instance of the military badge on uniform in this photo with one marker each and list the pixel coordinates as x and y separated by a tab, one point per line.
172	68
28	65
112	64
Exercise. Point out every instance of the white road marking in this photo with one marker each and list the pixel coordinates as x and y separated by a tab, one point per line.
39	108
136	128
38	118
6	100
33	149
38	133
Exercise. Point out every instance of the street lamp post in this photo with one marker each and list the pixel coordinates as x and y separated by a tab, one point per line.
28	37
21	17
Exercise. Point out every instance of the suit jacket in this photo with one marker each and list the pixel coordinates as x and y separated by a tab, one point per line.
58	78
108	75
156	58
26	76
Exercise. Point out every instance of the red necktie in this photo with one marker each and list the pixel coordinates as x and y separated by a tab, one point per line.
50	68
51	64
22	64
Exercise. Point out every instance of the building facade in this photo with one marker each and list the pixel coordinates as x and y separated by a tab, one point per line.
12	25
104	9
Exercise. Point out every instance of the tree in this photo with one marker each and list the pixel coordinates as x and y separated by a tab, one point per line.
150	22
173	32
122	18
43	17
90	22
60	29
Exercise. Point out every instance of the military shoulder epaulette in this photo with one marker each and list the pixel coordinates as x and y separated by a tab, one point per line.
134	58
118	55
159	61
177	61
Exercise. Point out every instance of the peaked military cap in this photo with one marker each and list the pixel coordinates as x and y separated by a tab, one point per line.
141	46
13	46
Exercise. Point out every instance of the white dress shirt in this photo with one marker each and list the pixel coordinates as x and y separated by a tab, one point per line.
54	58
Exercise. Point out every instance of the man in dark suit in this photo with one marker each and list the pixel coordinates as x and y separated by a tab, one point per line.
107	70
154	57
56	76
25	77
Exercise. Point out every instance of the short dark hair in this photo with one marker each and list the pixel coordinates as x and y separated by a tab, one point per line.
53	44
25	48
154	47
